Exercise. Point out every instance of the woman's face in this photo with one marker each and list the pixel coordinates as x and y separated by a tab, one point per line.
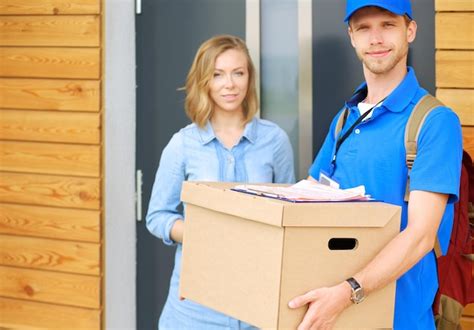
229	84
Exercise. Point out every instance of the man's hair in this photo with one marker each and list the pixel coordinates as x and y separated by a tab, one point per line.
199	105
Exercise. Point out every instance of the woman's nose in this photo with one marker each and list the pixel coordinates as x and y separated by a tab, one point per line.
229	81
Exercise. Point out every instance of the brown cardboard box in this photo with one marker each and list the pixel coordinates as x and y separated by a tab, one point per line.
248	256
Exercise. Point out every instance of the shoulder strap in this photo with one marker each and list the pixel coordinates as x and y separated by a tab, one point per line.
414	124
417	117
340	122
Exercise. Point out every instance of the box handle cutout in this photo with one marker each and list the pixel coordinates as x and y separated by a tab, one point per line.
343	244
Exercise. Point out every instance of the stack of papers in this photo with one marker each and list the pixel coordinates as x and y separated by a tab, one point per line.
306	191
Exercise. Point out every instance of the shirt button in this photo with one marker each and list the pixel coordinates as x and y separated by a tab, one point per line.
357	131
230	159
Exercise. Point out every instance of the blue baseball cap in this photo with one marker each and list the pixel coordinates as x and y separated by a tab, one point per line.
398	7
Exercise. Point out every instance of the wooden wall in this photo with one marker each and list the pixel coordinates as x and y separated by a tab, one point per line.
51	164
454	24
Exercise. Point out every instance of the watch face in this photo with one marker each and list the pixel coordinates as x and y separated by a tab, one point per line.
358	295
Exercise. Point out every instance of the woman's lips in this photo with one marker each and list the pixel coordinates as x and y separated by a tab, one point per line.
230	97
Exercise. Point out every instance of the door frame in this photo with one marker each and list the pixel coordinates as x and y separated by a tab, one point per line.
118	133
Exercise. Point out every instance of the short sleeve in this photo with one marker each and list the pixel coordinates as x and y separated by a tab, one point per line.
437	166
165	197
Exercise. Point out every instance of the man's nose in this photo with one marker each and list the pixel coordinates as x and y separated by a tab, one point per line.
376	36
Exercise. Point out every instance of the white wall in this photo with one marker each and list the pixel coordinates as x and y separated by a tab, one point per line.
119	184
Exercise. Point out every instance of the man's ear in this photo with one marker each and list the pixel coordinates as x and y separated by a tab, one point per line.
411	31
350	32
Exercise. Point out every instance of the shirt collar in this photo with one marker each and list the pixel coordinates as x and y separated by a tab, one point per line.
400	97
250	132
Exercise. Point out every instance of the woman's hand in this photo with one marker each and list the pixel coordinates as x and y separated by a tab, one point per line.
177	230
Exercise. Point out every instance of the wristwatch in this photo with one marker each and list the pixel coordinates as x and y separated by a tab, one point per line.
358	294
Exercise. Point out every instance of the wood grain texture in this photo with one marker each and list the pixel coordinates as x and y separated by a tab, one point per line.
50	126
469	310
20	314
454	30
50	62
50	222
49	254
455	69
468	140
68	30
454	5
461	101
49	7
50	158
50	190
50	94
47	286
467	323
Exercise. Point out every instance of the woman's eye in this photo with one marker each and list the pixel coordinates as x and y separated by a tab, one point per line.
216	74
239	73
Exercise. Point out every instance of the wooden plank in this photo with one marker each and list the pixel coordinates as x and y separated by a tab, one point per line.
50	126
467	323
454	5
20	314
49	7
469	310
455	68
50	222
68	30
49	158
454	30
49	254
50	62
50	94
461	101
50	190
468	140
47	286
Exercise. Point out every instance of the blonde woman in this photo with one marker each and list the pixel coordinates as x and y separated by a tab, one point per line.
225	142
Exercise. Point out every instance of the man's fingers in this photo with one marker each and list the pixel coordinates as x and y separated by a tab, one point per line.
302	300
308	320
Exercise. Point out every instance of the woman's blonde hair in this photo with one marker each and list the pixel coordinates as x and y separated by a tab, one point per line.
199	105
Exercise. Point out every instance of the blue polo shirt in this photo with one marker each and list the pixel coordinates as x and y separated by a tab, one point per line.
374	155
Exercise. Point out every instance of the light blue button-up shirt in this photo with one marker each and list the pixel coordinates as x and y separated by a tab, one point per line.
263	154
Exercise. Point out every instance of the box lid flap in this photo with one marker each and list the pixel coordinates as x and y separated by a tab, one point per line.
218	197
340	214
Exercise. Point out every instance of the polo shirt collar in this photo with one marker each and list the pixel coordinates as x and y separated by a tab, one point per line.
400	97
250	132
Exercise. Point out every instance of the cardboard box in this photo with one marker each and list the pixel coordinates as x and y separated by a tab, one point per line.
248	256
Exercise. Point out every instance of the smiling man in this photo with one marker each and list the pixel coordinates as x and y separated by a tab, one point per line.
370	150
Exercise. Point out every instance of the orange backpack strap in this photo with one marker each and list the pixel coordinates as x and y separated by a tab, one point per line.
418	116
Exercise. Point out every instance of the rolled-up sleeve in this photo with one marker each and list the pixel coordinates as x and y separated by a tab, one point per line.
284	171
165	197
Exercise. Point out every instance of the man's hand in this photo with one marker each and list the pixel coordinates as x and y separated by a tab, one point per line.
325	305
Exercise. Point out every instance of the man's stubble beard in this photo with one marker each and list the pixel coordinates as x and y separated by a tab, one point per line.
381	66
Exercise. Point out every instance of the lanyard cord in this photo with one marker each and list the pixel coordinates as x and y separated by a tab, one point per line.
351	129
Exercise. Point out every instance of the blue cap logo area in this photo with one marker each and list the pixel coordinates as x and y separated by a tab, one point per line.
398	7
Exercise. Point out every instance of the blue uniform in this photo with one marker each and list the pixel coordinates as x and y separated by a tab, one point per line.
374	155
263	154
